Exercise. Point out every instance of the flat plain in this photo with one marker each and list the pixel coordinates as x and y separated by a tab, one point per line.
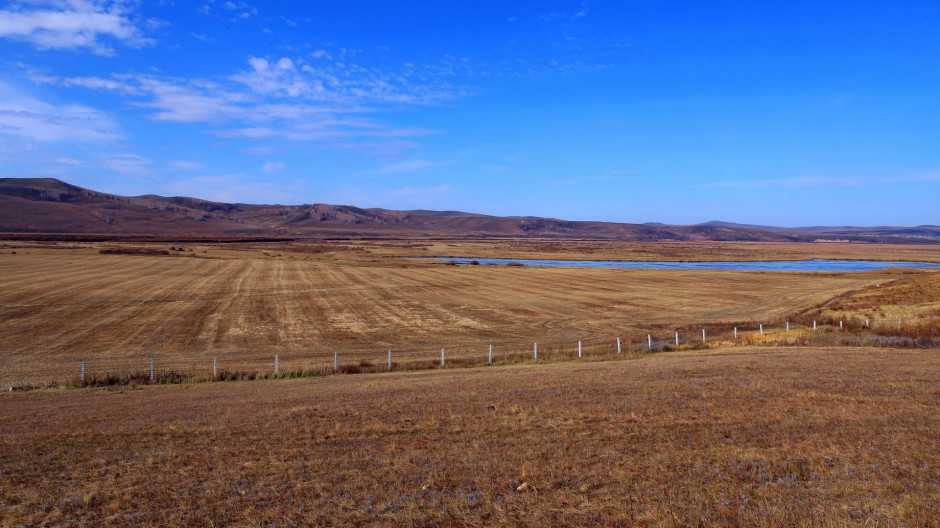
242	305
798	435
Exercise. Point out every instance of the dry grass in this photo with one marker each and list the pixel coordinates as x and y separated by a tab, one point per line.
743	437
115	311
806	436
907	306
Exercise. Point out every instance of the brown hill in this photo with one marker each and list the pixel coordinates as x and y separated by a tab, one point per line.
45	205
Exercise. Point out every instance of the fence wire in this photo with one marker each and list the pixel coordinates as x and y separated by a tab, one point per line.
449	353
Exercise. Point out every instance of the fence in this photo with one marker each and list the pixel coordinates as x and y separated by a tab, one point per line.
240	365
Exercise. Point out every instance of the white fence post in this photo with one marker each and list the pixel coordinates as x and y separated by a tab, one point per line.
788	326
814	325
491	353
579	349
535	351
83	372
151	370
762	329
335	361
390	359
677	338
649	341
277	366
703	335
618	345
215	368
867	325
736	333
442	357
840	325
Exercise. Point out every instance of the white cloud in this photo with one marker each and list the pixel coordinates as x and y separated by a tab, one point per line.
341	83
262	150
26	117
97	83
272	166
244	113
283	98
180	101
247	133
238	10
72	24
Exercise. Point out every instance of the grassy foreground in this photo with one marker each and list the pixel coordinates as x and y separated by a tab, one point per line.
729	437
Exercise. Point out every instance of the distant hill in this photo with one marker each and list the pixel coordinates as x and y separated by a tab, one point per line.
923	233
52	206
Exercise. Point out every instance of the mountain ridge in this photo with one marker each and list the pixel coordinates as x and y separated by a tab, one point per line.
48	205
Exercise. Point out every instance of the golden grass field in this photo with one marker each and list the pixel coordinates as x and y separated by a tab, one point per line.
242	306
793	432
734	437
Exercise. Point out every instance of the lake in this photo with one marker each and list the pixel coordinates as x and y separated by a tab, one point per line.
769	265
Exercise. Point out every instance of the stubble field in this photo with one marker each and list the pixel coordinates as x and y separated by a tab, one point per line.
58	308
742	437
733	435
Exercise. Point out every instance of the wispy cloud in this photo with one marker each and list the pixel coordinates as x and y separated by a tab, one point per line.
567	16
185	165
283	99
28	118
800	181
67	161
129	164
233	11
200	37
406	166
74	24
237	188
824	181
272	166
339	82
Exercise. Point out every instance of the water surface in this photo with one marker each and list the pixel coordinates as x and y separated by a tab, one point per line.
766	265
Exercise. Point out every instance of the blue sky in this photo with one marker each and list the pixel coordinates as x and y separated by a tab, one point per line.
787	113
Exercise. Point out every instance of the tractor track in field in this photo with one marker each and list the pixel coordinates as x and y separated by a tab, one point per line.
63	307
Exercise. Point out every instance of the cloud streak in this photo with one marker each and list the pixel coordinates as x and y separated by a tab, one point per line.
272	166
284	99
27	118
823	181
406	166
73	24
339	83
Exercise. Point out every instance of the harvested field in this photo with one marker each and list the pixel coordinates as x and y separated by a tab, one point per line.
793	437
57	308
